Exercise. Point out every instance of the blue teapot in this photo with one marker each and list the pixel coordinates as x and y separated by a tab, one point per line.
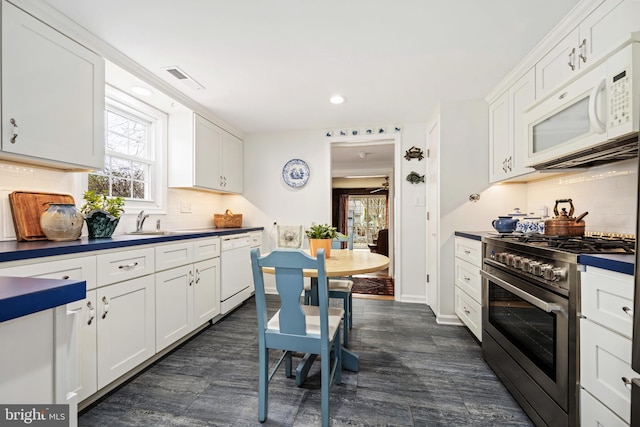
505	224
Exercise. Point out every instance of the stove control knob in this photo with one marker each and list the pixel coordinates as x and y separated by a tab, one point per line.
515	261
539	269
533	266
525	265
551	273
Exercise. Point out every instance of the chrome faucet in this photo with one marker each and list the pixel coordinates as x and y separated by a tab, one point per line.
140	220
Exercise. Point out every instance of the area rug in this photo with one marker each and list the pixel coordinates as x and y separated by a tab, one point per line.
372	285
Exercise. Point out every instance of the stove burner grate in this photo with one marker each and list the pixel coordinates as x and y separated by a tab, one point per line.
592	244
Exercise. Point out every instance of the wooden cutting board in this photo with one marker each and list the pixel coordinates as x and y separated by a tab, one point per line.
26	208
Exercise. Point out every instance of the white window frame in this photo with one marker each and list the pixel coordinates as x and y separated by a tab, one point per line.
157	204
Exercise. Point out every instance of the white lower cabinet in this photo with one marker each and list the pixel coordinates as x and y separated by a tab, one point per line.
125	327
187	292
605	347
83	375
468	283
86	372
595	414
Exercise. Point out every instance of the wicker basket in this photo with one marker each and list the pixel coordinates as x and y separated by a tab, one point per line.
227	220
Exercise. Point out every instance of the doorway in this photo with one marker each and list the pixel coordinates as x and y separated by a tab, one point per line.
363	178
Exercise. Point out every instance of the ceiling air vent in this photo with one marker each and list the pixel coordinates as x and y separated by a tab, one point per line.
183	77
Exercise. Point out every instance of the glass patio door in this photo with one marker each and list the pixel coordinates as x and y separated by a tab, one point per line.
369	217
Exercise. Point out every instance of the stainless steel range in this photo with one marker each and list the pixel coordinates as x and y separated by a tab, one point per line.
530	298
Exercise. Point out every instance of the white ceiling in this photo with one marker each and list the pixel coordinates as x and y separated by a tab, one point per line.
271	65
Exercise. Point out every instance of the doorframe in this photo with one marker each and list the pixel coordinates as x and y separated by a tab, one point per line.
395	195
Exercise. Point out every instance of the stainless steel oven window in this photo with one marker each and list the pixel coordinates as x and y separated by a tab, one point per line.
527	327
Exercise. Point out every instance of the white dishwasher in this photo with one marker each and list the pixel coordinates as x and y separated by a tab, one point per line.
235	271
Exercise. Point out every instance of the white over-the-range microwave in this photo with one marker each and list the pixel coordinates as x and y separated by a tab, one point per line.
595	116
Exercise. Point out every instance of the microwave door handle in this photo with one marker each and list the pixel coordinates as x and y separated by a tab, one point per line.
596	124
537	302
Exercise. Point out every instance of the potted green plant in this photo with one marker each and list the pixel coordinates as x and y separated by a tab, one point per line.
102	213
320	236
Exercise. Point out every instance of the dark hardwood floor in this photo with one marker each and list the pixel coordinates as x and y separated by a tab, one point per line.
413	372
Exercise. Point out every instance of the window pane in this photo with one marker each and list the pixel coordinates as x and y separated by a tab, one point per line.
120	168
99	183
121	187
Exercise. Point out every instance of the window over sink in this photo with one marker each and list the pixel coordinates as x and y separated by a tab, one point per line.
135	153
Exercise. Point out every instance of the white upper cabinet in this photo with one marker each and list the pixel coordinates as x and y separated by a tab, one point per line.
604	29
202	155
231	167
52	96
507	137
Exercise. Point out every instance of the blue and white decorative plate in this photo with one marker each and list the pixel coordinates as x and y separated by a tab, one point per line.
295	173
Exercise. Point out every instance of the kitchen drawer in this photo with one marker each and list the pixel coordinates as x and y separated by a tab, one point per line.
206	249
607	299
605	360
256	239
124	265
82	268
469	250
467	277
174	255
595	414
469	311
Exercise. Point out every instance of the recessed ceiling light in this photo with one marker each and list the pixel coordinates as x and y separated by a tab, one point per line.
143	91
337	99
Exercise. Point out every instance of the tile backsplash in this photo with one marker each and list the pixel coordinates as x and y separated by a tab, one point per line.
608	193
17	177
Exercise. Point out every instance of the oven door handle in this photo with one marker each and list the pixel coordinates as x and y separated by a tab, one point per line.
542	305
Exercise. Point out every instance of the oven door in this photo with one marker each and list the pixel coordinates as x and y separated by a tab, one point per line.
531	325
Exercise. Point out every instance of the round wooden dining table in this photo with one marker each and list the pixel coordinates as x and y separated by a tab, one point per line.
341	263
345	262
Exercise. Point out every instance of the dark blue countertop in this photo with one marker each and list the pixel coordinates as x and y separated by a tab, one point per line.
620	263
475	235
20	296
13	250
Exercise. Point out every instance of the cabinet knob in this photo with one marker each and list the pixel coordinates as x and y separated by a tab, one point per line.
190	278
572	59
92	312
105	307
583	50
197	275
14	130
128	266
628	310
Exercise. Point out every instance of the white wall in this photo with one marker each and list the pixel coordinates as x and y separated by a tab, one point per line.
267	199
18	177
463	161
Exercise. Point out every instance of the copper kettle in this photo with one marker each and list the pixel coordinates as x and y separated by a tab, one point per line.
564	224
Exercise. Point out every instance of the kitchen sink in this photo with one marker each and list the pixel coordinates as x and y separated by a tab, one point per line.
149	232
169	232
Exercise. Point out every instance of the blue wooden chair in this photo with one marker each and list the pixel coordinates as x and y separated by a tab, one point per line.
340	288
296	327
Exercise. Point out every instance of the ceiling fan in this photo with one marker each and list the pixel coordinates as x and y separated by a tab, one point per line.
384	186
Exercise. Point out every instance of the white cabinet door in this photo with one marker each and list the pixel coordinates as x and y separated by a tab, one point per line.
604	29
206	291
126	327
232	163
208	143
507	131
558	65
174	305
499	138
86	370
469	311
53	90
521	95
594	414
605	361
607	299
